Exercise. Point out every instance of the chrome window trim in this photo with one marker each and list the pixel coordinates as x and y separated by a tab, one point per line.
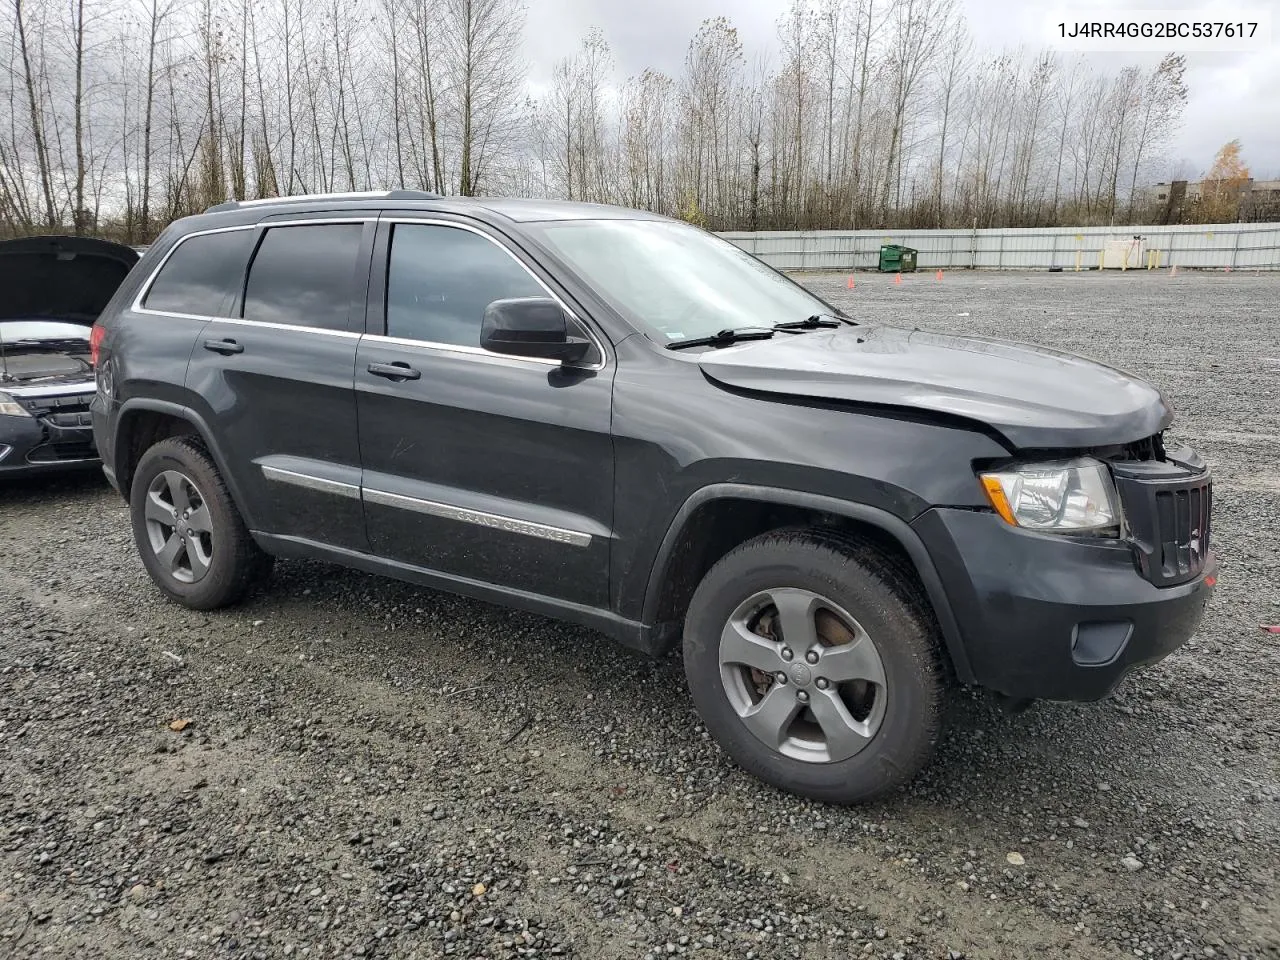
480	351
493	521
309	482
429	345
137	307
272	325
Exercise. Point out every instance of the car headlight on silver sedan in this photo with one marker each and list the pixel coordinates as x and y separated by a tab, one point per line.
1063	496
11	407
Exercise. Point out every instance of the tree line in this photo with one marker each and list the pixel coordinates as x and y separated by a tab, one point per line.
117	116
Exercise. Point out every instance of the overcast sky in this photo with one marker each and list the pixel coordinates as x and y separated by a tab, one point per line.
1232	95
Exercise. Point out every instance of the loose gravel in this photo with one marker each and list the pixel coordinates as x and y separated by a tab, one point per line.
350	767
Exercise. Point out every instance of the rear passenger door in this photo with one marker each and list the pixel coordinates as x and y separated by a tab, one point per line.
277	378
197	280
480	466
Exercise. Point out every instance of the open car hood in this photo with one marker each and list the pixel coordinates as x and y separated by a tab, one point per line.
1034	397
60	278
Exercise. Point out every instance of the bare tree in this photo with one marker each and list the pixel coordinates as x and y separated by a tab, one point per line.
709	94
30	82
483	37
950	74
795	30
918	27
118	115
1064	100
1163	97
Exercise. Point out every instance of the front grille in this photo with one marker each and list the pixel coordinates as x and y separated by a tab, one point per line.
68	419
63	410
67	425
1182	524
1168	510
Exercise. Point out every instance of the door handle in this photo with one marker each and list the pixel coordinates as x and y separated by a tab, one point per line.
224	347
395	371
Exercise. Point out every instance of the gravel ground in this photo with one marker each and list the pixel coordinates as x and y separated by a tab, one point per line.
364	768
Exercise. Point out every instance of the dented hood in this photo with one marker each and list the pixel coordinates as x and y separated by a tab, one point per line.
1034	397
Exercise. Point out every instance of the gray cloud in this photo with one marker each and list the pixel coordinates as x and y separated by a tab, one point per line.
1232	95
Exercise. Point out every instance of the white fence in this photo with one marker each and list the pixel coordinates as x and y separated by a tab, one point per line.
1236	246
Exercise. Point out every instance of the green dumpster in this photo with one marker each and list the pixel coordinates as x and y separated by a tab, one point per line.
895	258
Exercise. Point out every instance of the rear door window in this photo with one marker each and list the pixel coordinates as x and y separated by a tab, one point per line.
304	276
201	275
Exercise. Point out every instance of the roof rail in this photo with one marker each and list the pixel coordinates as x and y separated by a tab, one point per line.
303	198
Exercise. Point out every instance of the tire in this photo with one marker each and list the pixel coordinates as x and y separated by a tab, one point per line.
868	623
213	562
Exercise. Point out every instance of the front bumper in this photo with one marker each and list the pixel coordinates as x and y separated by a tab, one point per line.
31	445
1050	617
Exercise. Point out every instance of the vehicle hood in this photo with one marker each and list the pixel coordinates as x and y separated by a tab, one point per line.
60	278
1033	396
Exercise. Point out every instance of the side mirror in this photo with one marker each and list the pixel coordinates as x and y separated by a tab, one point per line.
531	327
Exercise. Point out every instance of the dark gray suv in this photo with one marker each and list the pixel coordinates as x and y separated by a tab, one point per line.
622	421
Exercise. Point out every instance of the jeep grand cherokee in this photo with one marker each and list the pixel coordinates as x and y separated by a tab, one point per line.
620	420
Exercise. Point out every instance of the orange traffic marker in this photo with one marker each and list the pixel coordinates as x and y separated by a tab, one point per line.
898	279
938	275
850	283
1173	271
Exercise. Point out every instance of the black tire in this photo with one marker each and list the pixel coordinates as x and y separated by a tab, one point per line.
224	562
883	599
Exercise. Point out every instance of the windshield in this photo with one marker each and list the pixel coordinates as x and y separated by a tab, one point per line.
676	282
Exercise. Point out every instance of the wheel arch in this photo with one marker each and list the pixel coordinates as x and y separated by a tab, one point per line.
143	422
678	566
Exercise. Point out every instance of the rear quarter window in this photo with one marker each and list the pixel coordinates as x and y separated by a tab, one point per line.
202	275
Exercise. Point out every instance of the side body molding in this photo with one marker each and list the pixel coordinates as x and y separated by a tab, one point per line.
897	528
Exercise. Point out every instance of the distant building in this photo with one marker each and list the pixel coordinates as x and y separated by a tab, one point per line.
1258	199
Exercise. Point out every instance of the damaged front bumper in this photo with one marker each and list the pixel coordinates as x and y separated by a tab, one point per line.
1045	616
1052	618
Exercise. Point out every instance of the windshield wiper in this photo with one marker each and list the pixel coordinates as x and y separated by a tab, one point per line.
809	323
724	337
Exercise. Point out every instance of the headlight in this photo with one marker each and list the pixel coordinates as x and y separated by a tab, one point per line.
12	407
1065	496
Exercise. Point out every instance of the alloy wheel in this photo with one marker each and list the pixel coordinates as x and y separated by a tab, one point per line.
803	675
179	527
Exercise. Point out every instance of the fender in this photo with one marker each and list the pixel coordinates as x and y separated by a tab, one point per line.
139	404
894	526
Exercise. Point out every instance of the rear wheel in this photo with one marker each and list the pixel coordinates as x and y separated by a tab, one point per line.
189	534
815	666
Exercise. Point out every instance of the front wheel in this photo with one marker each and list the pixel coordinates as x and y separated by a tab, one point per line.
815	665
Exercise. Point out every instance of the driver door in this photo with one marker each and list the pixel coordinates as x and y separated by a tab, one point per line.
480	466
